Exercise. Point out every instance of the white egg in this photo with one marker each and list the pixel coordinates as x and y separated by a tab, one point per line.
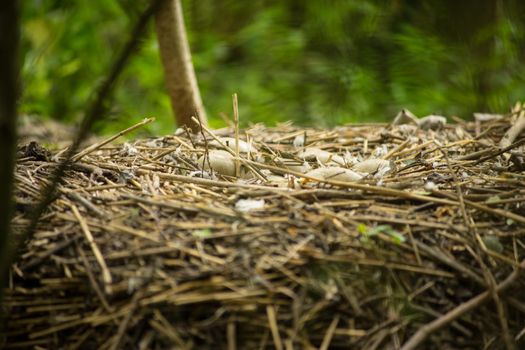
335	174
220	161
370	166
244	147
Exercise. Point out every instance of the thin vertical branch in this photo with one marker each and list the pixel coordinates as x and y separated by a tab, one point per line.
9	73
236	121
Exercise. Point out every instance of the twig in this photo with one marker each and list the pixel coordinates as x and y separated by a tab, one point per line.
42	257
500	152
205	182
396	150
325	345
516	129
206	148
125	321
106	276
76	345
414	245
468	222
422	334
494	211
100	144
437	254
491	283
84	202
507	337
231	335
272	321
236	121
93	281
188	132
162	325
456	325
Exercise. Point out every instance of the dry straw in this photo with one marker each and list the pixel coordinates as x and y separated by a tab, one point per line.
143	249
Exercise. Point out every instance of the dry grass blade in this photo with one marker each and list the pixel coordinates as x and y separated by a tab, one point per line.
106	275
236	122
516	129
272	320
325	345
102	143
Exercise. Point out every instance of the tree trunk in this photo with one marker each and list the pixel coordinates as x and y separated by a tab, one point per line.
176	59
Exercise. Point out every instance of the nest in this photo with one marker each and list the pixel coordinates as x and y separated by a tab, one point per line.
148	246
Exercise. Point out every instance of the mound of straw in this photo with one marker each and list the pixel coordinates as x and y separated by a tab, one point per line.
145	249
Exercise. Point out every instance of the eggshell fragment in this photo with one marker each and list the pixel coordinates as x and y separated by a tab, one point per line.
299	141
246	205
335	174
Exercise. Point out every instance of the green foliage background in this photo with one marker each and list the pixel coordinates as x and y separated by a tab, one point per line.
314	62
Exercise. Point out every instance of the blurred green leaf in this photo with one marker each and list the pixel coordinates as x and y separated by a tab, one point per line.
493	243
366	233
205	233
312	62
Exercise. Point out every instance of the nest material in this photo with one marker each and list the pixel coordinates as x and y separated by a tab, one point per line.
143	249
